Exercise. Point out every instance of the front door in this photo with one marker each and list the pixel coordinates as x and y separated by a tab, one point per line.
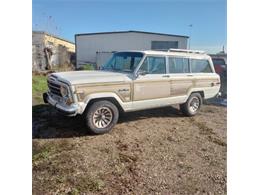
152	82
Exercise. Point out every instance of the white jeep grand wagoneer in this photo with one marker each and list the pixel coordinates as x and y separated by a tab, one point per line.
134	80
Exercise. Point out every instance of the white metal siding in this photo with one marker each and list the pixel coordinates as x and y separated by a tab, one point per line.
88	45
102	58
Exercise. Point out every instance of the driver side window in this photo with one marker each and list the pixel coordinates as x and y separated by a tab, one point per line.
153	65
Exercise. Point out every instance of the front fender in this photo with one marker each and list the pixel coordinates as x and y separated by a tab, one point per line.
125	105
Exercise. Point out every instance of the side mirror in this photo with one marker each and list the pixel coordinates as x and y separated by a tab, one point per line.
141	72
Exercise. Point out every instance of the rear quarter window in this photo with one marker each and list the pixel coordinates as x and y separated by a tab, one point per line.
200	66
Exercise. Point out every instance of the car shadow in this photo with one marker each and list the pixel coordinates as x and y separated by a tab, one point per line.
47	123
145	114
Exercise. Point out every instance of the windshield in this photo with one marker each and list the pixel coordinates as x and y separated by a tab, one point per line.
123	61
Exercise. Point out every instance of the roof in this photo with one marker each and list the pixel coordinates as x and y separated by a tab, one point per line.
132	31
43	32
169	53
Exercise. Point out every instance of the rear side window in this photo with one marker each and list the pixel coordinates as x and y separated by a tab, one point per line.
154	65
178	65
200	66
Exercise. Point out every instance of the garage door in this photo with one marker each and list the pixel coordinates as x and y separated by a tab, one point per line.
164	45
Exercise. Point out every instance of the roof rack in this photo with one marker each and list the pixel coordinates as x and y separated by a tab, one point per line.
186	51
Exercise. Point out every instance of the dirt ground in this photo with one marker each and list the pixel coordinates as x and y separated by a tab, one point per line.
156	151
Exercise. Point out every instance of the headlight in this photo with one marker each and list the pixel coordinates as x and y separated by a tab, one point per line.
64	91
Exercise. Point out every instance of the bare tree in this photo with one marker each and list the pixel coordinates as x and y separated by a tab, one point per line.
48	53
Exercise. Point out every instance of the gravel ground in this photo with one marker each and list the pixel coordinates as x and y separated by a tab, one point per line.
156	151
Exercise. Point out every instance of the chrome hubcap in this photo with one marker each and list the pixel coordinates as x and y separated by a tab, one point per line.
194	104
102	117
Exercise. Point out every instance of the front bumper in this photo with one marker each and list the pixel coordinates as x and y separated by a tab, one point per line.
71	110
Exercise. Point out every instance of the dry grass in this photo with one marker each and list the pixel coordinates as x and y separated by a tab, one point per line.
150	152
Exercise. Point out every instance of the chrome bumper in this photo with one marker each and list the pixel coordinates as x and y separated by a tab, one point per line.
71	110
219	94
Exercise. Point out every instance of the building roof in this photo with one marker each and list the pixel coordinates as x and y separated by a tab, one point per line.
43	32
132	31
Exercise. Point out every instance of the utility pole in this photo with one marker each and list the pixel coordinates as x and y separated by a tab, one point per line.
190	26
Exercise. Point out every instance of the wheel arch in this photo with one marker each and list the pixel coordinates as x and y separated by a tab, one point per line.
110	99
200	91
113	98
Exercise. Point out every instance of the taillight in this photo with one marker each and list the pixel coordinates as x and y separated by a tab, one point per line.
218	69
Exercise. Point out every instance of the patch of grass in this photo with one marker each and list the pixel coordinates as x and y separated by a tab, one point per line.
63	68
39	83
209	109
95	185
39	86
127	158
86	183
204	129
211	135
41	153
88	67
74	191
217	141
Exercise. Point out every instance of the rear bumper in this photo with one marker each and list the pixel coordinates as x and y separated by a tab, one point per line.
219	94
71	110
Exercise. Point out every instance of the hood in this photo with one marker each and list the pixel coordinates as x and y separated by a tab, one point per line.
84	77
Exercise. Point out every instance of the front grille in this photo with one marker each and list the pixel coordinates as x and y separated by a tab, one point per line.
54	88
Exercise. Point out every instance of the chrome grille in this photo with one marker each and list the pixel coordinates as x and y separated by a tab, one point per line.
54	88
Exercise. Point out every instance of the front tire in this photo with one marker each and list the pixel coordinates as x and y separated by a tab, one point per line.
192	105
101	117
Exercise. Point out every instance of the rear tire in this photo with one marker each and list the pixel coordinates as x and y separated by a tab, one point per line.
192	105
101	117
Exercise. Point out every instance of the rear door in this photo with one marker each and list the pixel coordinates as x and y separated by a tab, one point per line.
181	78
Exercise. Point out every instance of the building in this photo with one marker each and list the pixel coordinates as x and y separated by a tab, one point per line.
49	51
96	48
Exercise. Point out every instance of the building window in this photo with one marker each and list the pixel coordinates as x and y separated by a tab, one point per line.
164	45
200	66
178	65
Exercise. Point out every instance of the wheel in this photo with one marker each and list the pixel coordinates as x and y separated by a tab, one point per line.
192	105
101	117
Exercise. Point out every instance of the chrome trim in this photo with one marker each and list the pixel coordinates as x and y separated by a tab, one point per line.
102	117
71	110
138	66
54	80
135	73
219	94
194	104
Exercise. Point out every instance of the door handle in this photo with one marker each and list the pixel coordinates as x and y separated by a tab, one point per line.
166	76
190	75
214	84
